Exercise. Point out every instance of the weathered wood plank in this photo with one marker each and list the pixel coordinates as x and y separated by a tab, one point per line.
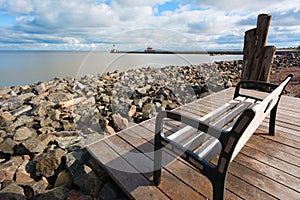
245	190
267	60
264	129
280	128
184	172
187	172
264	183
270	172
171	185
271	161
274	149
282	140
135	185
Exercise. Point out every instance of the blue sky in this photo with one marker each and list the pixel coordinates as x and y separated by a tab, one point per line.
135	24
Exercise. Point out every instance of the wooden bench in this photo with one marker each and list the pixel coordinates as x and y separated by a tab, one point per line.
219	135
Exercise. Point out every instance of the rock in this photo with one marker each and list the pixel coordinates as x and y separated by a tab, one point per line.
40	88
148	110
72	102
57	97
67	133
24	133
21	110
46	122
132	111
30	146
87	180
8	146
138	102
11	103
22	121
46	138
64	178
42	108
68	126
78	195
6	119
36	100
76	159
4	90
105	98
65	142
109	130
12	192
46	130
47	163
228	84
111	191
143	90
34	189
26	96
9	168
22	174
58	193
164	103
120	123
54	114
96	167
171	106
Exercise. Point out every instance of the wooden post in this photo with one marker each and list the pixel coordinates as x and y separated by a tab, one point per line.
258	57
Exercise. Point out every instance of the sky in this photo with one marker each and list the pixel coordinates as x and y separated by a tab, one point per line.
136	24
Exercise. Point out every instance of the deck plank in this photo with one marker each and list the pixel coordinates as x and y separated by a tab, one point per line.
267	167
260	181
271	161
185	173
133	184
175	188
194	179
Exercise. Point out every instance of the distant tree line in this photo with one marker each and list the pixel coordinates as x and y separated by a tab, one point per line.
290	48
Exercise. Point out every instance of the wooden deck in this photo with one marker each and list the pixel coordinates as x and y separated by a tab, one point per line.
268	167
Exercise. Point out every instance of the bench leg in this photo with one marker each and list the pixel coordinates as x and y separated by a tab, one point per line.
219	187
272	120
157	159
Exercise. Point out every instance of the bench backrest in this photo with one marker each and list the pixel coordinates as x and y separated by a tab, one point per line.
251	118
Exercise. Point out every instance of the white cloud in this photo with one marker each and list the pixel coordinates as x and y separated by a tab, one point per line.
17	6
80	23
130	3
250	6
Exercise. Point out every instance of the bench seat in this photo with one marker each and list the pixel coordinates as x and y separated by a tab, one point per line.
224	117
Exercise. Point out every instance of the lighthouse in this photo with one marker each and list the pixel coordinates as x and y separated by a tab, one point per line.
114	50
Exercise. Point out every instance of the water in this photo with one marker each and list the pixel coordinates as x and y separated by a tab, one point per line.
28	67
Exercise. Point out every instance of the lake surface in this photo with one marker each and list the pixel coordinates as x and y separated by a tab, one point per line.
27	67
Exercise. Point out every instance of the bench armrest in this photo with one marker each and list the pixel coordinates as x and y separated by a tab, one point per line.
198	124
254	85
258	85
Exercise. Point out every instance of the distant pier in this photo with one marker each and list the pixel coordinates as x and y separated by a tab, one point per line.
229	52
210	52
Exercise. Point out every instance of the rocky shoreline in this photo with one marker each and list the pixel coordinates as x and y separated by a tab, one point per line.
44	127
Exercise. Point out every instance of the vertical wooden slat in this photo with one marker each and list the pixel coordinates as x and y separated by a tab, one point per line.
267	60
257	57
249	46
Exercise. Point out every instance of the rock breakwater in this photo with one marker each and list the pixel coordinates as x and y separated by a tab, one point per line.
45	127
